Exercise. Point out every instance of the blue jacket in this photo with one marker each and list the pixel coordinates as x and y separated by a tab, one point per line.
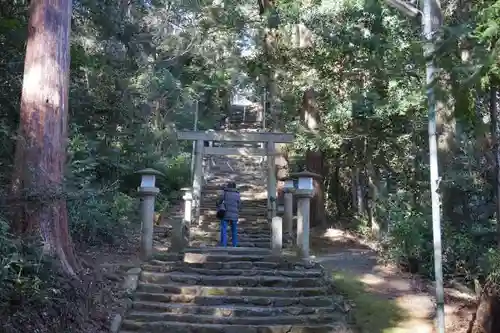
232	199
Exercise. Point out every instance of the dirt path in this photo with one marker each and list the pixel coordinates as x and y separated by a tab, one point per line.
385	300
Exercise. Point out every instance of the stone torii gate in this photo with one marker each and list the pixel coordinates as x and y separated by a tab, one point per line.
269	139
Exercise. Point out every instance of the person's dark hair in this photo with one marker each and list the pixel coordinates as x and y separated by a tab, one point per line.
231	185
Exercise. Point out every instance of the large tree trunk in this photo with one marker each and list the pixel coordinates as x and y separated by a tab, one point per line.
41	146
487	317
314	159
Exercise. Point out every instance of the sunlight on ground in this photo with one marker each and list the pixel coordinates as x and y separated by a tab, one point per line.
370	313
389	282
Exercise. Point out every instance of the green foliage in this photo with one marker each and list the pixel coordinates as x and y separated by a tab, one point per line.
106	219
137	68
31	287
410	232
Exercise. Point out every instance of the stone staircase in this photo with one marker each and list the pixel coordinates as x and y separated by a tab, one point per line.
244	119
240	290
210	289
253	228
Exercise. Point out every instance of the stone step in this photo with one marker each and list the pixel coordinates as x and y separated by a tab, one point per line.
257	231
208	199
246	206
229	280
200	241
183	327
211	224
214	233
209	300
253	220
220	257
213	190
213	253
243	219
210	241
247	236
246	200
240	265
216	192
242	237
243	228
217	178
160	268
231	291
247	212
248	124
230	310
213	230
152	321
252	223
224	251
255	217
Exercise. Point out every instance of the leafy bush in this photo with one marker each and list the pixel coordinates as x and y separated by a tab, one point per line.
176	170
410	238
177	175
409	233
102	219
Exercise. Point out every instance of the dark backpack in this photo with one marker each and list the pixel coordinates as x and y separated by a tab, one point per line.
221	208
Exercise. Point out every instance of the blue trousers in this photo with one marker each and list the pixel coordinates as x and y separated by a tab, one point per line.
223	232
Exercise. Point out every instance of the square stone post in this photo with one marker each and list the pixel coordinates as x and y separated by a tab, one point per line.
147	192
303	224
198	178
277	235
271	180
304	192
288	215
288	191
181	229
204	168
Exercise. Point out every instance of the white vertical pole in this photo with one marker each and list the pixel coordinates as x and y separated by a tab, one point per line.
431	16
198	178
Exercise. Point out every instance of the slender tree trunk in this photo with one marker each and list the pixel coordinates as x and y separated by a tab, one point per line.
373	186
360	202
269	46
495	136
41	146
354	189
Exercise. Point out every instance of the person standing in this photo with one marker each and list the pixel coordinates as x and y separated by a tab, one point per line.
228	208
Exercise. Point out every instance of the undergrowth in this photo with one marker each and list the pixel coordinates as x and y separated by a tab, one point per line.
35	296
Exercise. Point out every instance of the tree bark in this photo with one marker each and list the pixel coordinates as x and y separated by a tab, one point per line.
314	159
495	137
41	146
487	316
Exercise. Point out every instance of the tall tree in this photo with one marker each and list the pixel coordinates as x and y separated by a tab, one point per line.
41	146
314	160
